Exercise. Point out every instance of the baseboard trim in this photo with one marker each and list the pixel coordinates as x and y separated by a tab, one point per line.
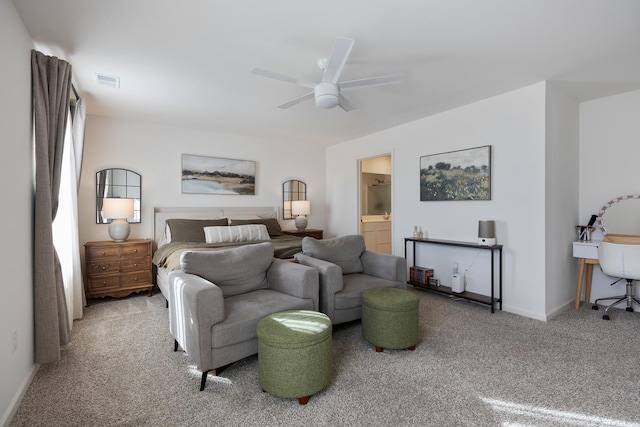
17	399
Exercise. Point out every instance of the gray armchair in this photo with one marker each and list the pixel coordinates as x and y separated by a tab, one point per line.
346	270
217	299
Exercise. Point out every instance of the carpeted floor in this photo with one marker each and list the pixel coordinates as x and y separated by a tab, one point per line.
471	368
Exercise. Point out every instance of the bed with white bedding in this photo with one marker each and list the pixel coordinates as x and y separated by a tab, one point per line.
181	229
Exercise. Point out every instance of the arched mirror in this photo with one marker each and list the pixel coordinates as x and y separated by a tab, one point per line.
620	215
292	190
118	183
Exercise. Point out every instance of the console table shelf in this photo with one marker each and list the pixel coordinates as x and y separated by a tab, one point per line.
471	296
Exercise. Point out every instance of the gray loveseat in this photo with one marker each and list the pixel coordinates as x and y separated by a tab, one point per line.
346	270
217	299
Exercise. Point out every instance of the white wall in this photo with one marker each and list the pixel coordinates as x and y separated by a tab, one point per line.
609	152
155	151
562	184
514	125
16	304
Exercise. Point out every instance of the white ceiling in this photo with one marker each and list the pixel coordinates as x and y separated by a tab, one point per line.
189	62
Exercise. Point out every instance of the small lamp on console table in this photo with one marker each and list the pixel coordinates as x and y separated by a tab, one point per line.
300	209
118	210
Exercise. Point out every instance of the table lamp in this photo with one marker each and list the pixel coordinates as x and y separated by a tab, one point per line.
118	210
300	209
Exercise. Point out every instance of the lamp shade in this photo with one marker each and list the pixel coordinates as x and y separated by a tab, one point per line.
117	208
300	207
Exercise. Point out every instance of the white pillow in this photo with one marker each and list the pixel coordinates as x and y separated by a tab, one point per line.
236	233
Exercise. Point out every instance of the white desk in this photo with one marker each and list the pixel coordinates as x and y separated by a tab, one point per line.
587	253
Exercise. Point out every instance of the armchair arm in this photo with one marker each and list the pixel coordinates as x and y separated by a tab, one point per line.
390	267
294	279
195	305
330	278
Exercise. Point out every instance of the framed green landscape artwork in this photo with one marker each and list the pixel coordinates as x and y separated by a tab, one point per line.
456	175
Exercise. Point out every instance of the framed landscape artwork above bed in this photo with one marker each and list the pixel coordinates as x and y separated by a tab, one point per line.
216	175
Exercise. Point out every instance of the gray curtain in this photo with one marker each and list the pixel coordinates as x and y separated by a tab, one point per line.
51	85
79	115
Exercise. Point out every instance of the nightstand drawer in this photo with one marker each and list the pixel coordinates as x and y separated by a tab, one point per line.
136	250
98	252
142	277
104	282
134	264
97	268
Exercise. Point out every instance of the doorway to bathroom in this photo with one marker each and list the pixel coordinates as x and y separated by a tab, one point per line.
375	201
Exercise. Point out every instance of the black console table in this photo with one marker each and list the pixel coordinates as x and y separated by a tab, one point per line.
492	300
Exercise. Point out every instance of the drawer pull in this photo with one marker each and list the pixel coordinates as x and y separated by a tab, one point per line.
104	283
135	251
135	279
104	267
135	264
104	253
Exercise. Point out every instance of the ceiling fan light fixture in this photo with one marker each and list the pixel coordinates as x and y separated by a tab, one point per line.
326	95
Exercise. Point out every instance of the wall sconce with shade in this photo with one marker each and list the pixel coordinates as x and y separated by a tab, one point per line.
300	209
118	210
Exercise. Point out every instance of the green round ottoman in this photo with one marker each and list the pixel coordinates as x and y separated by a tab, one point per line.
390	318
295	353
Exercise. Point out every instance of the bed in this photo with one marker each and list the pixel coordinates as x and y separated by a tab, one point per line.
180	229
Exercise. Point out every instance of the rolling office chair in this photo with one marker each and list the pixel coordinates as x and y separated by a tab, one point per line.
621	261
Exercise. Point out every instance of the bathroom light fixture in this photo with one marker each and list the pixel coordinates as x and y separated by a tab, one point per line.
300	209
118	210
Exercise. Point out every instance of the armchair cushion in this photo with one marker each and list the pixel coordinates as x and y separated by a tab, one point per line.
228	268
343	251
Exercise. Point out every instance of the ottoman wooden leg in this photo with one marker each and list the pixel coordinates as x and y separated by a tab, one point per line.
379	349
413	347
303	400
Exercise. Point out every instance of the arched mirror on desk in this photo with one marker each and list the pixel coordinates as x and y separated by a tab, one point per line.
619	221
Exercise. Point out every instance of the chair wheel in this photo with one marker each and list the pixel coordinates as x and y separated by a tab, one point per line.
629	309
605	317
594	307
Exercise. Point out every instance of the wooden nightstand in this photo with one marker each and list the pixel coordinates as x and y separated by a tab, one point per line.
309	232
117	269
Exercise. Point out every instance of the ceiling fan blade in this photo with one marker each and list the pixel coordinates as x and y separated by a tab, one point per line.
345	104
372	81
297	100
281	77
335	63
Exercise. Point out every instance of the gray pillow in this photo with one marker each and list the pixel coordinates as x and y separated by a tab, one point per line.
192	230
273	226
235	271
343	251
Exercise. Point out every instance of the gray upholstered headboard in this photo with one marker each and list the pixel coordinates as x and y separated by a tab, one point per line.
162	214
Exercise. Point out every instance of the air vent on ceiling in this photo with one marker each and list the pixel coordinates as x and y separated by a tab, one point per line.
110	81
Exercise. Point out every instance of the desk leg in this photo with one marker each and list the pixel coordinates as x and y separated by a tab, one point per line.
581	265
587	286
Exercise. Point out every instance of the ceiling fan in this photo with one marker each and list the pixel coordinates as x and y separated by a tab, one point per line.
328	91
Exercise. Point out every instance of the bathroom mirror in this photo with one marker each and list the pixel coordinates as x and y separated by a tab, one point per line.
292	190
620	215
377	196
118	183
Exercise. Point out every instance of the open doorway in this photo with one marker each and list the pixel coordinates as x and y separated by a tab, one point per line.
375	197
